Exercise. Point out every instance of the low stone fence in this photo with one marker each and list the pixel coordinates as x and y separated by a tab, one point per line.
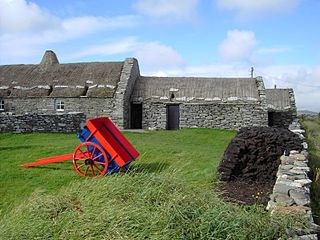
291	192
53	123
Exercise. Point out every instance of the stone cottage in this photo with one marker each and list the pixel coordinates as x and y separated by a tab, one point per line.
174	102
95	88
117	90
281	107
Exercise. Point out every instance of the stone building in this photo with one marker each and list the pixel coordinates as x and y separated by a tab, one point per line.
227	103
117	90
95	88
281	107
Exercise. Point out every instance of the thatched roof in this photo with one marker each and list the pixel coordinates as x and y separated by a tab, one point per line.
4	91
30	92
101	90
65	80
278	99
195	89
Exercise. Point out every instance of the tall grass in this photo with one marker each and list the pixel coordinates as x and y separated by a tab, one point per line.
138	205
168	193
312	127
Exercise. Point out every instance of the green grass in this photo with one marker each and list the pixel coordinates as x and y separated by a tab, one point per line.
312	127
167	194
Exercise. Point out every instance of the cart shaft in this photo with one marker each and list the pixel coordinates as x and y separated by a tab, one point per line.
42	161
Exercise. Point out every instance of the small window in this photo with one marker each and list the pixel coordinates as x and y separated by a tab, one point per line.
1	105
59	105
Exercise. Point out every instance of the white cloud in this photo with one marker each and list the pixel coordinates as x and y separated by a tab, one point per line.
167	8
87	24
152	56
22	16
239	45
157	56
248	8
22	37
124	45
304	80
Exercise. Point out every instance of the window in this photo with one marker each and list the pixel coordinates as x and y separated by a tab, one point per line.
59	105
1	105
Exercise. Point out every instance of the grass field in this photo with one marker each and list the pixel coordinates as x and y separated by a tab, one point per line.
312	126
168	193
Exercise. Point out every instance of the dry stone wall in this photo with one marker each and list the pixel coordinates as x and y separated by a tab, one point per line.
291	191
91	107
154	116
222	116
27	123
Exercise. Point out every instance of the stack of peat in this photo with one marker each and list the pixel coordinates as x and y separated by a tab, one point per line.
254	154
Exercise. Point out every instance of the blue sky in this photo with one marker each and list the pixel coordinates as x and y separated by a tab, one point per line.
279	38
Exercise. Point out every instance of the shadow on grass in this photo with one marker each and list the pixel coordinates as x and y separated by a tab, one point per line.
54	168
148	167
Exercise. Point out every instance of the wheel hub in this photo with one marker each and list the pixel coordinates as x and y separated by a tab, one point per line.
88	161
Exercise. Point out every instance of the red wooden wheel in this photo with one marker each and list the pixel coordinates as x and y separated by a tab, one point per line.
89	159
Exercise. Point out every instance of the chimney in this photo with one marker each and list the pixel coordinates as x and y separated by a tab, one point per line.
49	58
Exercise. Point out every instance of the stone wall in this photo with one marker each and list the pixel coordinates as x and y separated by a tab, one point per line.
27	123
291	192
219	115
154	115
91	107
129	74
222	116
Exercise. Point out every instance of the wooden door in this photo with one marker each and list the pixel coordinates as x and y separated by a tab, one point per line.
173	117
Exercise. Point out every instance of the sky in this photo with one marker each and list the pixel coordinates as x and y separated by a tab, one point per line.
209	38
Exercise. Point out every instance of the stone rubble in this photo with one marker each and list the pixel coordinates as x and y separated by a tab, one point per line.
291	192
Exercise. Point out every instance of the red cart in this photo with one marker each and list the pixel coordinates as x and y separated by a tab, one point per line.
103	150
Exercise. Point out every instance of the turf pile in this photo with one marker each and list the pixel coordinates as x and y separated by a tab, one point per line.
254	153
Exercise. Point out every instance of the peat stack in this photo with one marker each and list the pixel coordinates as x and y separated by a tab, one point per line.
254	154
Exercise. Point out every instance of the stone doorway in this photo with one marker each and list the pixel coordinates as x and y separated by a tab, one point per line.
136	116
173	117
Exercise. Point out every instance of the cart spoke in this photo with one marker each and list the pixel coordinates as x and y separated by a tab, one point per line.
97	156
92	154
80	158
92	170
87	149
84	153
101	163
81	165
85	172
99	170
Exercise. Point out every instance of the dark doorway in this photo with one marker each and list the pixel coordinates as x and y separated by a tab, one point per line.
270	119
173	117
136	116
